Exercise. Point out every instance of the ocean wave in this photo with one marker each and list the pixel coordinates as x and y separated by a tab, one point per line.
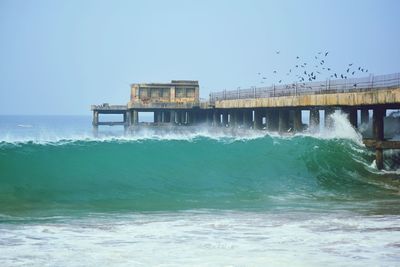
341	129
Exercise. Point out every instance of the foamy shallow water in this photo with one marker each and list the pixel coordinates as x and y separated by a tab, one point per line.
204	238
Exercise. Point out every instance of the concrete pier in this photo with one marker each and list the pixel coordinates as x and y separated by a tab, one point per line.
178	103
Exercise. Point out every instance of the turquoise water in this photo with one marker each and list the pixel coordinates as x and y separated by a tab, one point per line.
205	197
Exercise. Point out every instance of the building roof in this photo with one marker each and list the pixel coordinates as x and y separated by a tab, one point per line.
172	83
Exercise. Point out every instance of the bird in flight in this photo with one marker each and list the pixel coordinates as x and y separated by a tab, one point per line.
326	53
277	52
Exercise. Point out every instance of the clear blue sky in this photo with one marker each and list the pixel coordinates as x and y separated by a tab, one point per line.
58	57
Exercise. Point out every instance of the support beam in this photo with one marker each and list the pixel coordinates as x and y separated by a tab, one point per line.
328	119
159	118
155	116
128	119
239	117
172	117
95	121
233	118
215	120
351	115
314	119
258	115
283	120
247	118
258	119
272	117
225	118
135	117
297	124
378	131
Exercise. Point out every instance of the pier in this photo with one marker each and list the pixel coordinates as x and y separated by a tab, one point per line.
274	108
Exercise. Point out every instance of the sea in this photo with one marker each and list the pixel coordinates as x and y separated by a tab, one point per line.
194	196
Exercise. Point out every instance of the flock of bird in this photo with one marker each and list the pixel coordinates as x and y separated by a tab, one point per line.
309	71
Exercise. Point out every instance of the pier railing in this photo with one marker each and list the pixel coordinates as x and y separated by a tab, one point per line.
372	82
107	106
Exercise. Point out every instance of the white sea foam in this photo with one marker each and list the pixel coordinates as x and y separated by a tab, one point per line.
341	130
205	238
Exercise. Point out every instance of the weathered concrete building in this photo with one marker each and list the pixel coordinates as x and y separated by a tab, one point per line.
177	94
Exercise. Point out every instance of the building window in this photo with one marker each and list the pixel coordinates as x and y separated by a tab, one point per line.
142	93
190	92
165	92
180	92
155	92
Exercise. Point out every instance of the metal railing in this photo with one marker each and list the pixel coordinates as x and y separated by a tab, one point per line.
311	88
107	106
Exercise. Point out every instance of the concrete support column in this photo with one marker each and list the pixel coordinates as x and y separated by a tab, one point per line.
364	116
239	117
247	118
378	130
215	118
135	117
159	117
297	124
172	117
351	116
162	117
208	114
283	120
225	118
128	119
178	115
258	119
232	118
314	119
155	117
328	119
95	121
272	117
183	116
189	117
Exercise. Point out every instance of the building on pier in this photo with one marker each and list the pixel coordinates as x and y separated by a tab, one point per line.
176	93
